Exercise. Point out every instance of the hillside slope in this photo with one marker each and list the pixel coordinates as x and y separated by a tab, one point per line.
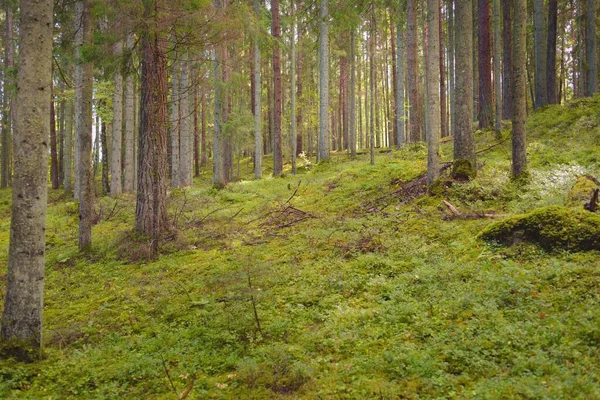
341	282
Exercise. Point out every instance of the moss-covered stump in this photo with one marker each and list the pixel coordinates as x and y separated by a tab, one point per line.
581	192
553	228
463	170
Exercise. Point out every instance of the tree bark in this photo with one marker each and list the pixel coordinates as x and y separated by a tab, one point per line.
451	67
7	113
485	71
433	92
372	85
464	140
551	52
128	170
53	145
519	114
151	212
352	95
116	186
68	161
413	71
258	145
400	112
185	132
443	106
175	126
277	112
21	329
506	58
83	125
293	90
497	69
539	46
591	78
323	153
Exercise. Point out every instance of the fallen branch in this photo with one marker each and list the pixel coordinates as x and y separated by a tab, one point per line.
592	206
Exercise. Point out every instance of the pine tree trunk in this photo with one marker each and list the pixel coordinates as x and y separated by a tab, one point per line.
21	329
433	92
258	145
519	114
277	112
485	72
105	158
352	95
83	125
185	135
196	131
372	85
451	67
497	68
151	212
299	115
323	153
507	58
175	125
293	91
464	139
7	113
53	144
591	78
203	150
539	46
68	162
413	71
551	52
400	111
116	186
443	106
128	170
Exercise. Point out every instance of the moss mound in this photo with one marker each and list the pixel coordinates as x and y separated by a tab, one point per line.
463	170
553	228
581	192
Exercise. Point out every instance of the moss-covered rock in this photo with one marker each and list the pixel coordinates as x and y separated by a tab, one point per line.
553	228
581	192
463	170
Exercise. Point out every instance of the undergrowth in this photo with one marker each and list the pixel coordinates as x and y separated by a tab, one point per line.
291	288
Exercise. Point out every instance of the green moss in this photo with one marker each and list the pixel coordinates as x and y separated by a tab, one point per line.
553	228
581	192
436	188
463	170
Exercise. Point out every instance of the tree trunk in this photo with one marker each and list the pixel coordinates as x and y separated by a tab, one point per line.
400	112
352	95
7	112
53	145
519	155
196	132
451	67
443	110
539	46
485	71
128	170
151	212
203	150
551	52
68	162
185	133
497	69
323	153
293	91
277	135
413	71
433	92
83	124
591	78
21	329
372	84
105	159
116	187
464	139
258	145
506	58
175	126
299	115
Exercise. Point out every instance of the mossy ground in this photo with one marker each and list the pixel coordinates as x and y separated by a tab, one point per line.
354	302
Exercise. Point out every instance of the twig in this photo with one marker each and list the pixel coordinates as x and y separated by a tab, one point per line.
164	364
187	391
295	191
253	300
453	209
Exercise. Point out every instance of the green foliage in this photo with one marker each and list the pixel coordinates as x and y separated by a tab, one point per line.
334	283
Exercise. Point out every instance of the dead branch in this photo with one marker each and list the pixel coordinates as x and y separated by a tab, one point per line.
452	209
592	205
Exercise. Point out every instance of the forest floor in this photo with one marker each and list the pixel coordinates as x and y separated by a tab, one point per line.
339	282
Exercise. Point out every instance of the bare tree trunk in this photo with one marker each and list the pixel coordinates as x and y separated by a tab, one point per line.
497	68
258	145
293	90
116	187
196	132
413	71
451	67
519	115
551	52
323	153
372	84
485	70
185	134
277	135
128	170
433	92
400	111
83	125
151	212
21	329
175	126
7	113
464	138
53	146
443	107
507	58
299	115
68	162
591	78
103	135
352	95
203	150
539	46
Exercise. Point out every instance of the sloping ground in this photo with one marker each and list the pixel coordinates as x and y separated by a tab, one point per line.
311	286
